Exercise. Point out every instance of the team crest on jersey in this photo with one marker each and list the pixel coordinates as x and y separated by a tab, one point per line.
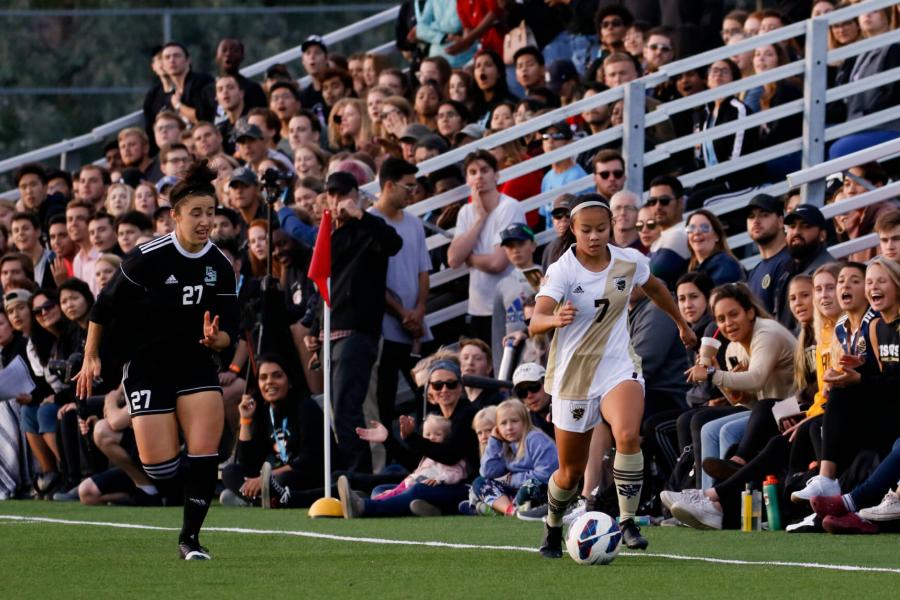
619	283
211	276
861	346
766	281
577	411
578	290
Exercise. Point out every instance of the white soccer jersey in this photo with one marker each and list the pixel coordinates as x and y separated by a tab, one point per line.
596	345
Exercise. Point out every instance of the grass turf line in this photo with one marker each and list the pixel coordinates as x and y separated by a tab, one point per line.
106	562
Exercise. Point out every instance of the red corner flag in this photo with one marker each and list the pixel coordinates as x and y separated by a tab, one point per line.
320	265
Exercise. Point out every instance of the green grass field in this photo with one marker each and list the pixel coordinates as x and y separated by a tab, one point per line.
269	554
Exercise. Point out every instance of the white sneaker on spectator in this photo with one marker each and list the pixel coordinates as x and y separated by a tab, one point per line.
670	498
698	512
575	510
817	486
888	510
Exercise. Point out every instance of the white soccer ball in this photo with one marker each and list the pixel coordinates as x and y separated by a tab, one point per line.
593	539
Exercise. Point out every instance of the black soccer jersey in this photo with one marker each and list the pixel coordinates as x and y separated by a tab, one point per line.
158	298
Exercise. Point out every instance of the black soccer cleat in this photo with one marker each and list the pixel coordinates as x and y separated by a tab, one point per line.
631	535
193	551
551	545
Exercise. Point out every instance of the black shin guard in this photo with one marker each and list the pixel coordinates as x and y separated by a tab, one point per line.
200	484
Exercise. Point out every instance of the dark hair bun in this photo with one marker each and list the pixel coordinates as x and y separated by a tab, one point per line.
197	182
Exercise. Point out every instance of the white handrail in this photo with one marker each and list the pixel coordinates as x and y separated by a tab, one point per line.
843	163
101	132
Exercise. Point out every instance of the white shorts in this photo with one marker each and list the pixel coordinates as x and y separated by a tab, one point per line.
580	416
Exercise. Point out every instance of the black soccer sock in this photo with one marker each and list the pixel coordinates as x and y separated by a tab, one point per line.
166	476
200	484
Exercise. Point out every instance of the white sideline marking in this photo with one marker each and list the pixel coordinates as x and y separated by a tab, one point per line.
434	544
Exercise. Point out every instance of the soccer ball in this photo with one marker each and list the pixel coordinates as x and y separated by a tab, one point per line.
593	539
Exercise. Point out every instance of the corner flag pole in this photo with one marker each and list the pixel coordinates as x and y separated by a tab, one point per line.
320	273
326	405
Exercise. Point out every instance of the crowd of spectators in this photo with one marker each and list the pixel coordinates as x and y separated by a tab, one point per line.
427	422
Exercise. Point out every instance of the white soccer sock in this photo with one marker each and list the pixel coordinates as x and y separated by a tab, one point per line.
628	475
557	501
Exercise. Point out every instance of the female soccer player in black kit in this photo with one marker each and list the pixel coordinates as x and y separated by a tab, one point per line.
164	308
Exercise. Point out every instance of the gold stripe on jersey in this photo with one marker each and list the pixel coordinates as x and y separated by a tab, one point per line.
579	372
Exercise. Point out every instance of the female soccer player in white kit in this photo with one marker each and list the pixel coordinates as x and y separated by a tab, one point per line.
593	373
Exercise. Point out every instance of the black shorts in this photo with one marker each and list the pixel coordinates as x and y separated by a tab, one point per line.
153	387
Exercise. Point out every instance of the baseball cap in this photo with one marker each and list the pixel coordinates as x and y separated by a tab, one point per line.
341	182
314	40
15	296
560	127
516	231
243	130
560	72
243	175
472	130
564	201
809	214
528	372
415	132
764	202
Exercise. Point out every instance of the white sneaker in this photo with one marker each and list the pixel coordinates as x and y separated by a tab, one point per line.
669	499
698	512
888	510
817	486
575	510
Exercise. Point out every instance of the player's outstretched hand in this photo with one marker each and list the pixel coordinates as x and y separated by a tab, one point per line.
212	338
566	314
84	381
375	433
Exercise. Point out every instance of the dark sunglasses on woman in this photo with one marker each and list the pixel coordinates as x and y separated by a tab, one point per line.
523	389
439	385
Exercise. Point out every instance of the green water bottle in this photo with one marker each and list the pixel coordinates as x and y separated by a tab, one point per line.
773	510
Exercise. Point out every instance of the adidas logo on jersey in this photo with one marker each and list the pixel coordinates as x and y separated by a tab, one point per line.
578	290
171	280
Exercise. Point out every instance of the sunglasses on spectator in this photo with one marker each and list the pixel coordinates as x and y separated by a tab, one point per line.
661	200
553	136
611	24
439	385
524	389
45	307
650	224
617	174
699	228
560	213
660	47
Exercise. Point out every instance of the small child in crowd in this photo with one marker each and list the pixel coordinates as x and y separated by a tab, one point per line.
430	472
515	466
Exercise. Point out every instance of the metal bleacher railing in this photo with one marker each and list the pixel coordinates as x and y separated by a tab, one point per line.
103	132
811	143
813	70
